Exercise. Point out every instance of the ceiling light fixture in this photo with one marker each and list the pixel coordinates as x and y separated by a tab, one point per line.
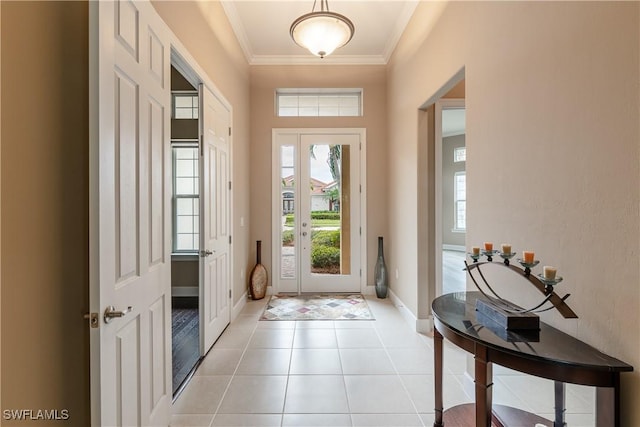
323	31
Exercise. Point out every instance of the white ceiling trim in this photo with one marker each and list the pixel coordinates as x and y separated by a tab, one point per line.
234	19
314	60
401	24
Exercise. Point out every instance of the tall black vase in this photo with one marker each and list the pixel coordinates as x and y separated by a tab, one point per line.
381	274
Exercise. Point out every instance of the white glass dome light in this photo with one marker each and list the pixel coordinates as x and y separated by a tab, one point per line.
322	32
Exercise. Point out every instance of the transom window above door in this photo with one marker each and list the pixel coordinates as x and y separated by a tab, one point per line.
319	102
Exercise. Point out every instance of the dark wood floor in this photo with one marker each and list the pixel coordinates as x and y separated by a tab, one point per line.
185	343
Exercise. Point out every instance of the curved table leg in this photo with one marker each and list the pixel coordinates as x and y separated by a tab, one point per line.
437	376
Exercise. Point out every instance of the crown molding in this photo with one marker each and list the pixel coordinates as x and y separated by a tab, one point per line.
239	30
314	60
401	25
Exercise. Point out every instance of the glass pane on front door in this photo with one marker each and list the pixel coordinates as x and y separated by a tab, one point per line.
288	212
329	222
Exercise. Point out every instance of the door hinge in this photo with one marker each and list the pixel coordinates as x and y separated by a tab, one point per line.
229	239
361	231
360	272
94	320
360	188
229	185
202	145
229	293
229	130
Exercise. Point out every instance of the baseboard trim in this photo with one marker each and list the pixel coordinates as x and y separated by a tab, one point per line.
237	308
369	290
184	291
423	326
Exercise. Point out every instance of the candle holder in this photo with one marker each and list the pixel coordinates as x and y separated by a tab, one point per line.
508	314
489	253
474	257
528	265
507	256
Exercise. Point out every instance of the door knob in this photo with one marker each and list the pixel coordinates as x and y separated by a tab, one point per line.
111	313
304	233
206	253
304	224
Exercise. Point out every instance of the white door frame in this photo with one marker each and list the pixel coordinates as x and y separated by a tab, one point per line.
294	135
440	105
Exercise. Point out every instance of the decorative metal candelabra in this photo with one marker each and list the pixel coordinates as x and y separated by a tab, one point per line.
507	313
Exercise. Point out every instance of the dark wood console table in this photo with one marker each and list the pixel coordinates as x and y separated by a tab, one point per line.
548	353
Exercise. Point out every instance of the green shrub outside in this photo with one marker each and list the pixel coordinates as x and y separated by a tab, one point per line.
287	238
325	256
315	215
329	238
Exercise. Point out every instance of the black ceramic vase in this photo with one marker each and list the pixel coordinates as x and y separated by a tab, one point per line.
381	274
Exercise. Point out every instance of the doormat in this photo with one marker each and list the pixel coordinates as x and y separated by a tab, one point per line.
317	307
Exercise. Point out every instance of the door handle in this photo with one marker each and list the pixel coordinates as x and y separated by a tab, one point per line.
304	224
110	313
304	233
206	253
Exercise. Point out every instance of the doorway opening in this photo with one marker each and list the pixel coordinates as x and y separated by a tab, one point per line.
185	270
318	196
450	139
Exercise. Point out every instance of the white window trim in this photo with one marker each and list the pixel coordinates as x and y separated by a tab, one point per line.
457	229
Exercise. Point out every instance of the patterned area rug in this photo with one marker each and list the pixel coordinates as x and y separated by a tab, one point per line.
317	307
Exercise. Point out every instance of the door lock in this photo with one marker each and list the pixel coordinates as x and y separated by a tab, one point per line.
93	319
110	313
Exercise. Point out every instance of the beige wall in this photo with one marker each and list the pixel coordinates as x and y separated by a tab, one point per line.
204	30
264	81
44	196
552	123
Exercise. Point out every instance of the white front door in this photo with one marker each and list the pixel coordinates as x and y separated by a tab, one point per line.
215	297
130	215
317	210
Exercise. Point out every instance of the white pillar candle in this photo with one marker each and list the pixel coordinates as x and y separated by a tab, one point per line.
475	250
549	272
506	248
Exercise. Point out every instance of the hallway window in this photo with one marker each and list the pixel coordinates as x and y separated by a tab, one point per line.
319	102
460	208
185	105
186	201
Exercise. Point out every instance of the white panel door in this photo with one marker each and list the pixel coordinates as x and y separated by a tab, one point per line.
215	297
130	216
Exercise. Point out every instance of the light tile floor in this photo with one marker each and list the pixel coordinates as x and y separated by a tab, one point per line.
344	373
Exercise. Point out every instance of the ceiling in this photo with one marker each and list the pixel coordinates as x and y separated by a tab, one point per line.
262	28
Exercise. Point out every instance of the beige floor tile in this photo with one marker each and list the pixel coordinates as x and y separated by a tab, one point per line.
412	361
387	420
248	420
315	338
374	394
315	361
265	361
316	394
358	361
319	420
358	338
220	361
272	338
202	395
255	395
191	420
